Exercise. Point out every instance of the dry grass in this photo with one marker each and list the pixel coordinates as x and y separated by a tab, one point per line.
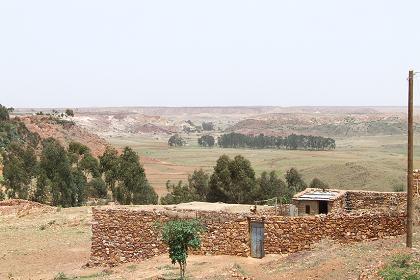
370	163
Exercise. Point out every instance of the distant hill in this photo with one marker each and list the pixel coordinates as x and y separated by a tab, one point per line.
323	124
328	121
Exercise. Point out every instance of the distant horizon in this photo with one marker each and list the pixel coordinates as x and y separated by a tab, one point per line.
213	106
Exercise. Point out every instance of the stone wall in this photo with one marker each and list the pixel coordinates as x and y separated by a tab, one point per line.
366	200
121	235
292	234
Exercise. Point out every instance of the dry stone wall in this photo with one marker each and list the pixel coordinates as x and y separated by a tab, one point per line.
365	200
122	235
292	234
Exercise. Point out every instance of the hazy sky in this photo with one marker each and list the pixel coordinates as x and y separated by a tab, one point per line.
203	53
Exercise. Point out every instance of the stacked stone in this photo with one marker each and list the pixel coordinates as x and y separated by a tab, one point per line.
377	200
292	234
122	235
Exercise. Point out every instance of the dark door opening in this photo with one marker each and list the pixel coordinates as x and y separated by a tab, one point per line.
323	207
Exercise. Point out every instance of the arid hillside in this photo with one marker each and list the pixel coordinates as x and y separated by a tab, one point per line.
64	131
323	124
323	121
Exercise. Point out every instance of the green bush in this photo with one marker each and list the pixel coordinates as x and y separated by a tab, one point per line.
180	236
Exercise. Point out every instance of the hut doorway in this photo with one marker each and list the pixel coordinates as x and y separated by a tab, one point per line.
323	207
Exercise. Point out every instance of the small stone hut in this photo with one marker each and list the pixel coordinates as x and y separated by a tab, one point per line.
318	201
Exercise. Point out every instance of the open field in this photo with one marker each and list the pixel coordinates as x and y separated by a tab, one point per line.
366	163
48	244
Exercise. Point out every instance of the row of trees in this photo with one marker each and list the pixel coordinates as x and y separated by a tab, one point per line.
234	181
291	142
237	140
47	172
67	177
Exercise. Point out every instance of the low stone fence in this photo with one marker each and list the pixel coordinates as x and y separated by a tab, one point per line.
376	200
292	234
122	235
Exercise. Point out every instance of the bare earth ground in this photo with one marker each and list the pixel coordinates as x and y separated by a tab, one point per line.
42	243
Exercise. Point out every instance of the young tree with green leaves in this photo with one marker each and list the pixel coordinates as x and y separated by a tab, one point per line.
181	236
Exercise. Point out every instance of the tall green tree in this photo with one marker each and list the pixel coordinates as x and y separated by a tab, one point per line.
109	165
199	183
4	113
20	167
43	189
232	181
126	177
67	185
295	181
98	188
270	186
220	181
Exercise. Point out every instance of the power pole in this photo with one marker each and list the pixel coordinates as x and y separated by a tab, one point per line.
409	241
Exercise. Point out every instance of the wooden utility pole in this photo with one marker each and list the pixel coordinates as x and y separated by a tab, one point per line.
409	241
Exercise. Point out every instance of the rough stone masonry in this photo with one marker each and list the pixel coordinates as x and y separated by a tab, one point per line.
126	234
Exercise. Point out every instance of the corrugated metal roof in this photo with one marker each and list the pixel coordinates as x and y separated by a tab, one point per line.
318	195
